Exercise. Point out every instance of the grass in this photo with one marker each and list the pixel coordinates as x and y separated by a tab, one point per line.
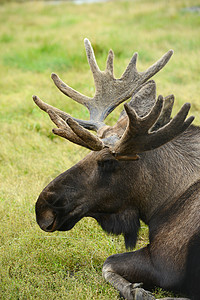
36	40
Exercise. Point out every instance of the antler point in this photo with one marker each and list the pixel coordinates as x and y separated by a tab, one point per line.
69	121
87	42
187	106
160	97
54	75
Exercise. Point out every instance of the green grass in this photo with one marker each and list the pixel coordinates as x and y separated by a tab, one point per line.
36	40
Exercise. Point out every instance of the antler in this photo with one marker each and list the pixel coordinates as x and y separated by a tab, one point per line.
138	136
136	131
110	92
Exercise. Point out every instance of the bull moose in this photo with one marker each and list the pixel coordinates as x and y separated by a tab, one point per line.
145	167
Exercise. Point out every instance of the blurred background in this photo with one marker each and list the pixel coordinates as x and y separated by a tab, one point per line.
36	39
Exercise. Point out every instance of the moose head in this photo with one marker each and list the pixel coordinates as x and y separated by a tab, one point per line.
130	171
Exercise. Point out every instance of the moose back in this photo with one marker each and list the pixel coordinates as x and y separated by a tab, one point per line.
145	167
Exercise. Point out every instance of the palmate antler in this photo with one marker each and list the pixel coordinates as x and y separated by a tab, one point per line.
132	133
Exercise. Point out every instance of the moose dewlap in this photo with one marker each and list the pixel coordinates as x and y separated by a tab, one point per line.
144	167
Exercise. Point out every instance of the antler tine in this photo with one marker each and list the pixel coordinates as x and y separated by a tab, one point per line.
142	77
64	130
148	121
137	139
109	65
91	57
157	66
68	91
178	121
174	128
44	106
165	115
90	139
139	125
86	124
131	69
142	107
75	133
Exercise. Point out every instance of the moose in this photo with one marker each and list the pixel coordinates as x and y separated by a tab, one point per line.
145	167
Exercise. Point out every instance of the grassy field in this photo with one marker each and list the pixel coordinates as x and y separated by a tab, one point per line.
36	40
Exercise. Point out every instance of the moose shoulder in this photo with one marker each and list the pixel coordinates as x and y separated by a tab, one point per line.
144	167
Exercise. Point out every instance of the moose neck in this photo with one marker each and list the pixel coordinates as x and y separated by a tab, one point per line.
166	173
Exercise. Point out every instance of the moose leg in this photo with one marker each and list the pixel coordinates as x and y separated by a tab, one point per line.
125	272
127	289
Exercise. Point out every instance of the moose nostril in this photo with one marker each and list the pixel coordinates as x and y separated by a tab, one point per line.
47	220
50	227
